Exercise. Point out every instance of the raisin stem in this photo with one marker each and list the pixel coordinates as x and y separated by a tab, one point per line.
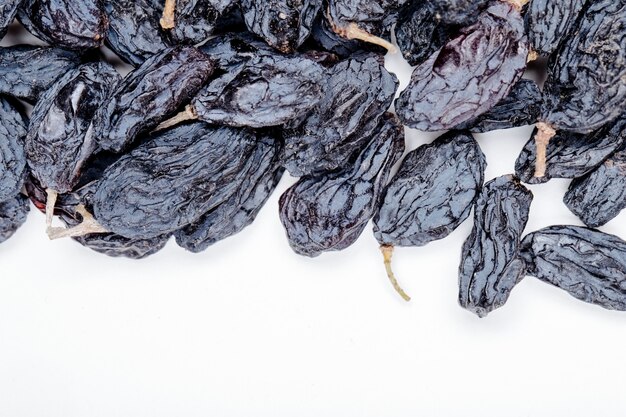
542	138
518	4
51	201
387	251
353	31
188	114
87	226
532	56
167	20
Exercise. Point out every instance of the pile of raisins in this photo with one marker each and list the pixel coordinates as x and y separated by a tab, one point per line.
227	95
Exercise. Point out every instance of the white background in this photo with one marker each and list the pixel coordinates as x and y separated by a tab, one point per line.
248	328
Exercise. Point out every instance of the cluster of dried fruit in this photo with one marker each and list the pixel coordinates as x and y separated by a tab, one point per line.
228	94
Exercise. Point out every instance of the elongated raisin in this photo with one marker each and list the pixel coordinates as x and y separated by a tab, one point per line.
571	155
490	261
172	180
600	195
239	211
586	87
284	24
134	33
268	90
588	264
359	91
232	50
26	71
76	25
12	158
196	20
432	193
330	211
550	22
469	75
323	37
57	145
149	95
422	30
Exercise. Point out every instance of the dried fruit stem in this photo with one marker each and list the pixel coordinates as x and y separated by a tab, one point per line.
518	4
51	200
542	138
167	21
532	56
87	226
353	31
188	114
387	251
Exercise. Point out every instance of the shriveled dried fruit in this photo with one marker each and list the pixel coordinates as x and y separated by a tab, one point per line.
70	205
365	20
13	214
588	264
56	144
323	37
239	211
571	155
268	90
520	108
172	180
110	244
490	260
12	158
284	24
134	33
421	30
195	20
70	24
432	193
26	71
471	73
330	211
600	195
8	11
586	86
359	91
232	50
550	21
149	95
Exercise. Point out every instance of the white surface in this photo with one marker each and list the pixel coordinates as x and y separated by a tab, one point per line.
248	328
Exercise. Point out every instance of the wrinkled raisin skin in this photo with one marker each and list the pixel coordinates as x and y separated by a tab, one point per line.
56	144
469	75
590	265
432	193
586	88
149	95
330	211
490	261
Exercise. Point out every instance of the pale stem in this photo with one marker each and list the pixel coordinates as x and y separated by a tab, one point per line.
188	114
542	138
387	251
51	201
88	226
353	31
167	20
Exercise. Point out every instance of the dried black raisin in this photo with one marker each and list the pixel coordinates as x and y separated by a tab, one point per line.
490	261
588	264
469	75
